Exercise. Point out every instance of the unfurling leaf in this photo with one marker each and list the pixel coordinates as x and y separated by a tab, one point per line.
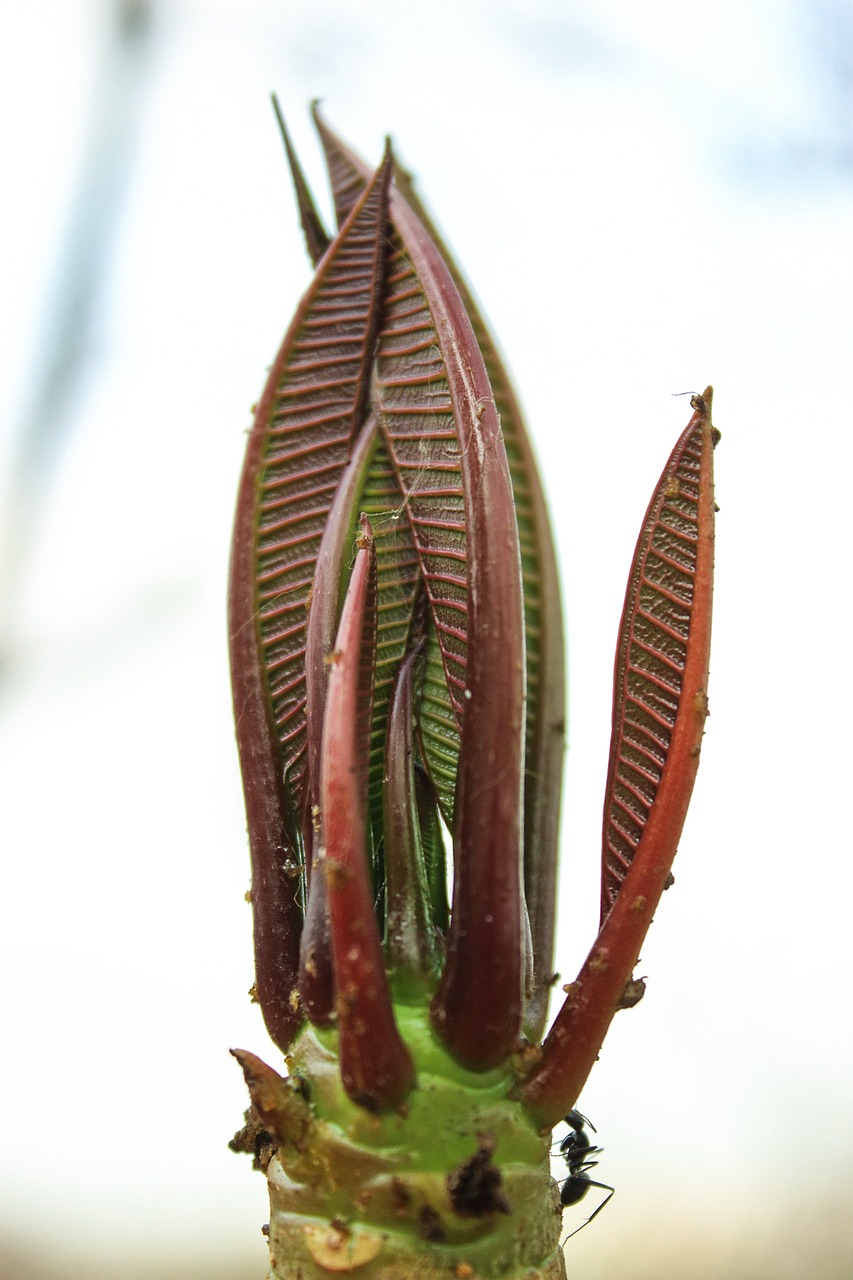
397	657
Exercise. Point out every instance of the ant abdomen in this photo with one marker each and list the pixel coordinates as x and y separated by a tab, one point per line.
576	1149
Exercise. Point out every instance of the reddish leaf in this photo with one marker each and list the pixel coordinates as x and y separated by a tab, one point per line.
438	416
316	985
309	415
376	1067
328	591
665	608
317	239
368	487
346	176
545	708
544	645
660	706
418	421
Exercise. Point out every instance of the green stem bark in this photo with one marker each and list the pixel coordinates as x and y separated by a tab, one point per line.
455	1185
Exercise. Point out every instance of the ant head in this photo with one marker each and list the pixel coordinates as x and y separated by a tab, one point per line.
575	1120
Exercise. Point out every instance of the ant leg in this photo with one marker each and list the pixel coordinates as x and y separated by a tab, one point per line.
604	1187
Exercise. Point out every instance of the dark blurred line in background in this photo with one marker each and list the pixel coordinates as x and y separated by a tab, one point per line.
63	342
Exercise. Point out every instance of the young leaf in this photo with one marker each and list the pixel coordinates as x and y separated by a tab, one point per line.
410	937
667	607
328	589
345	177
435	858
544	640
376	1067
438	415
304	429
368	487
317	239
660	705
397	578
414	394
316	984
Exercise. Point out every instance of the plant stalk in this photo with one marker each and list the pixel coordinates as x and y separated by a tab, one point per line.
454	1184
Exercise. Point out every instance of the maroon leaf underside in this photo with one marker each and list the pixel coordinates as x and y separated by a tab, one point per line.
375	494
438	416
661	607
477	1009
418	422
326	594
660	706
381	498
376	1067
545	712
316	981
307	421
368	486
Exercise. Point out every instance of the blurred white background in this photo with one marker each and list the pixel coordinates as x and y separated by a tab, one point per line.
646	197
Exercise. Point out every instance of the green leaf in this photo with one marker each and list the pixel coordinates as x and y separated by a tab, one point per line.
398	576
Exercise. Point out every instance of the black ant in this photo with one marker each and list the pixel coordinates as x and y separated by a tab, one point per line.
576	1149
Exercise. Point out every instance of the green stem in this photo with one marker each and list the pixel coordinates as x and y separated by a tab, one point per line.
456	1184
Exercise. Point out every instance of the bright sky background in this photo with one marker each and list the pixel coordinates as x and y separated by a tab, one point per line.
647	198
